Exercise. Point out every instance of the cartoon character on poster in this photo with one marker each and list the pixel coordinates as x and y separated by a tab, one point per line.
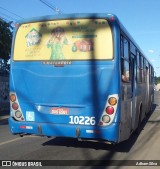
56	42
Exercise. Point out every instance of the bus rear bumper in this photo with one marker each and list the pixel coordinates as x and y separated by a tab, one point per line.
109	133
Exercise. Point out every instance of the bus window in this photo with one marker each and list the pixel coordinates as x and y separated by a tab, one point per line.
139	68
125	47
125	71
68	40
132	48
144	70
151	75
125	60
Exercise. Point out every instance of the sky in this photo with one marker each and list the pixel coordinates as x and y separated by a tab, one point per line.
140	17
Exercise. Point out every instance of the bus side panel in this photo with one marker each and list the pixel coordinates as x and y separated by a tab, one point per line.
126	109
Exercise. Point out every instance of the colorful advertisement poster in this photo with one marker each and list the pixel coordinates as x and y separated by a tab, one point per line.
80	39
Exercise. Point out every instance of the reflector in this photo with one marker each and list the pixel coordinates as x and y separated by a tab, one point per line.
13	97
112	101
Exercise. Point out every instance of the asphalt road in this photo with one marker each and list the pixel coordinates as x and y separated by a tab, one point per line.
144	146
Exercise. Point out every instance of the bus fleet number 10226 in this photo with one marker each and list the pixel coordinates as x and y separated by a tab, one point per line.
82	120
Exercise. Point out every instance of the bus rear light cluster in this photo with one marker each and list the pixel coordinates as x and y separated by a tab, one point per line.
109	111
16	110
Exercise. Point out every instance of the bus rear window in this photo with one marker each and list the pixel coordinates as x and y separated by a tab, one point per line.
80	39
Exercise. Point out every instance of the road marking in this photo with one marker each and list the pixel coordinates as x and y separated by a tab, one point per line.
18	138
9	141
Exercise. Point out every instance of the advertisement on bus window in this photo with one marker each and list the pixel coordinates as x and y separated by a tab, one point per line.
80	39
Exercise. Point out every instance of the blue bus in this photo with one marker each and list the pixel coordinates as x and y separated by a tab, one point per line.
80	76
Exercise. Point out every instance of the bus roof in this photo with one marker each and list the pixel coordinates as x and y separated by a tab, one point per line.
66	16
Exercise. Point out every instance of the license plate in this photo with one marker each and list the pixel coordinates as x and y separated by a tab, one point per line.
60	111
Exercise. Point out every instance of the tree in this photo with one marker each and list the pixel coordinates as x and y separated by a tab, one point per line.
5	45
157	80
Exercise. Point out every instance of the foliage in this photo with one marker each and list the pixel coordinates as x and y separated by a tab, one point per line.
157	80
5	45
5	40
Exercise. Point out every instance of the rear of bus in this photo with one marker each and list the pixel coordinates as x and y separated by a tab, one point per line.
64	78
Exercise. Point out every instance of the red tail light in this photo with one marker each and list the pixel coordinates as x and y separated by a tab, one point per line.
15	106
109	110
